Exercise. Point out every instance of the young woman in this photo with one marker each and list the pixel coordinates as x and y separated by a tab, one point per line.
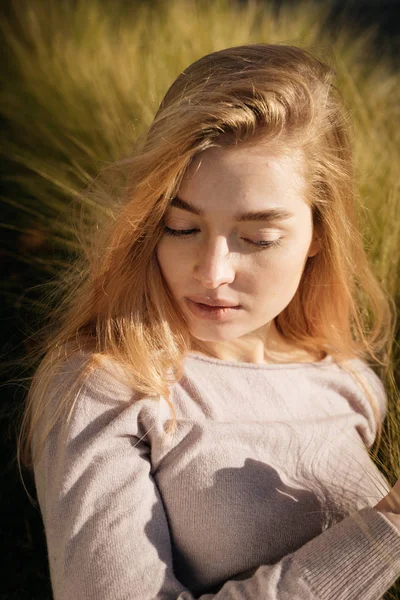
200	423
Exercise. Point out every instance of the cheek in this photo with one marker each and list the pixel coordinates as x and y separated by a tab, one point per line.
278	277
170	262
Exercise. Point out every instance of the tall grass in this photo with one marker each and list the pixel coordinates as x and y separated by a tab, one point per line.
84	78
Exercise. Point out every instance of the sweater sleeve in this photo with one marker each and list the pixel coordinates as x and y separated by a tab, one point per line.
107	531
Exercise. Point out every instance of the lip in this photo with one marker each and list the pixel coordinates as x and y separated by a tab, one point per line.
213	313
217	302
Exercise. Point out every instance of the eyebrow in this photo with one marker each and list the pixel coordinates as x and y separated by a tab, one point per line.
271	214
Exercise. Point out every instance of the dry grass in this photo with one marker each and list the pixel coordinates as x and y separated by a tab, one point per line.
82	83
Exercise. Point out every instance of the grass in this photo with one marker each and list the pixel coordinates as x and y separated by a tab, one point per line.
82	81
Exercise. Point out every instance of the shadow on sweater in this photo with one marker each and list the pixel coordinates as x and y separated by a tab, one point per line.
249	517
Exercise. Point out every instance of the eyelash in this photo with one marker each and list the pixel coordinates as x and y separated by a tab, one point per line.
184	233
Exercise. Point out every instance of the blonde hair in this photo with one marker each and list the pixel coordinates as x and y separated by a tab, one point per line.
116	303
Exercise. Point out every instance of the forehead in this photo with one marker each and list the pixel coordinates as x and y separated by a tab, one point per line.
237	177
269	214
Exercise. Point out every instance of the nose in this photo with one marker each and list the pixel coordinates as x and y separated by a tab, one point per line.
214	264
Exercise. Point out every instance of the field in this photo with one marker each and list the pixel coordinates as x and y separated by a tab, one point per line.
81	82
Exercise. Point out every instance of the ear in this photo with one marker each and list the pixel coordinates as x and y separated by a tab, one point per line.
315	246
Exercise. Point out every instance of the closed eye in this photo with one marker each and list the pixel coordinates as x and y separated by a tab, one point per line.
185	233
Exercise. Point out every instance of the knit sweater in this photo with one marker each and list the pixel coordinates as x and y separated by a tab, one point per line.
265	491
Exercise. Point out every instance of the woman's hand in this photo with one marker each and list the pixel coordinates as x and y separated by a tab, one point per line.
391	502
390	505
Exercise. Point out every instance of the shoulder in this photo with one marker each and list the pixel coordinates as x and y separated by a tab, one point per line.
366	394
84	386
89	371
368	379
87	396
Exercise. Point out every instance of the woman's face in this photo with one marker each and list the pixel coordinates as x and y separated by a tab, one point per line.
219	259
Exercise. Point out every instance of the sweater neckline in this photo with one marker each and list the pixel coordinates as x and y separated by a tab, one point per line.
259	366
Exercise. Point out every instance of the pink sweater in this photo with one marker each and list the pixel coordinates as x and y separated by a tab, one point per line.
264	492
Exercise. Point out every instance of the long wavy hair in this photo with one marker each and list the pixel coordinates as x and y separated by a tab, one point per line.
115	301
